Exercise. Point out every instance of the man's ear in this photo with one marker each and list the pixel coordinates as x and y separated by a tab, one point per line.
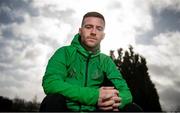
80	30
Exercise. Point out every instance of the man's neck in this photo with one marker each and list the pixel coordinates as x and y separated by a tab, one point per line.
93	50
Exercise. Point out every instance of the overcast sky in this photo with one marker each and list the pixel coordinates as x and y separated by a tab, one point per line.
31	31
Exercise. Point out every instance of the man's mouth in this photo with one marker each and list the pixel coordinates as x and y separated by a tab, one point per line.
91	38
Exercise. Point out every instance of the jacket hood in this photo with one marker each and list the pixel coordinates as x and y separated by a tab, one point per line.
76	43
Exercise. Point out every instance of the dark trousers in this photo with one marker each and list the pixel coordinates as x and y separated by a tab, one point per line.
57	102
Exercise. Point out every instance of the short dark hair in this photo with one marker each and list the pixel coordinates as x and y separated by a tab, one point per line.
93	14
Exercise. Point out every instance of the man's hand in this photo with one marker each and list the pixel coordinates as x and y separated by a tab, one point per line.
108	99
117	102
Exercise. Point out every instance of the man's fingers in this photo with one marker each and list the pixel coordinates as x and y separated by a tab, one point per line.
116	99
106	108
107	103
107	97
116	105
110	93
116	109
117	102
106	100
108	88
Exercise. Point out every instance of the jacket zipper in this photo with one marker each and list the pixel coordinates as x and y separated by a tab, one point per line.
86	75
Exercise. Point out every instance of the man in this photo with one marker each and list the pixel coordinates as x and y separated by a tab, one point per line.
75	74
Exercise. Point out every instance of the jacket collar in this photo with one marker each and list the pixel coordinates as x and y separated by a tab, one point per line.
76	43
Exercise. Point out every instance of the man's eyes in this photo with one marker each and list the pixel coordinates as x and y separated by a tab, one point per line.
99	28
88	27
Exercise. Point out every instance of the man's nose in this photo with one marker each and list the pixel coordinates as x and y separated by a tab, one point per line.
93	31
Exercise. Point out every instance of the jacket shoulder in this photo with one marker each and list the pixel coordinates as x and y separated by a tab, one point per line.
64	54
104	57
68	50
105	60
70	54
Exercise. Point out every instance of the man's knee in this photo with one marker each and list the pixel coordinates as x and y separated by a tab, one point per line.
53	102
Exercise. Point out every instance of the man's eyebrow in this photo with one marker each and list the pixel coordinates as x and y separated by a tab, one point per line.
88	25
100	26
93	25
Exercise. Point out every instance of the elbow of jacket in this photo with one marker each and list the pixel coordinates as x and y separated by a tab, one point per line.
129	99
46	89
126	101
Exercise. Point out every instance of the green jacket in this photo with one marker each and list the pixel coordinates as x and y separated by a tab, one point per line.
77	74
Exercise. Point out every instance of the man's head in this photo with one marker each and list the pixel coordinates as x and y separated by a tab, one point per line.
92	14
92	30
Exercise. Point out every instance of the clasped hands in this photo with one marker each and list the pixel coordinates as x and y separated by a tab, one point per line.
109	99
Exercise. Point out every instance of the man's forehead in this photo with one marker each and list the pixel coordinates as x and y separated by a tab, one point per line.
94	20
